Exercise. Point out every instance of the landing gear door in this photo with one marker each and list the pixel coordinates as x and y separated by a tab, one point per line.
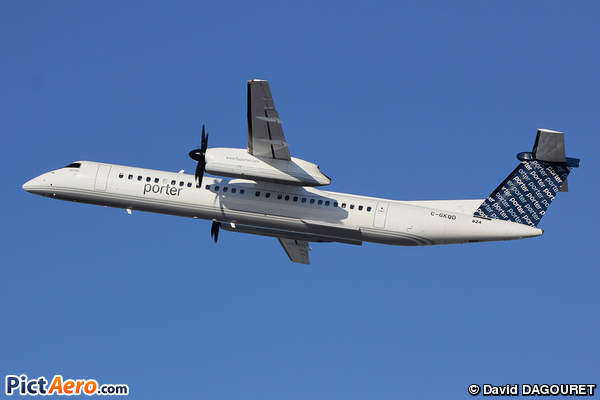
102	177
380	213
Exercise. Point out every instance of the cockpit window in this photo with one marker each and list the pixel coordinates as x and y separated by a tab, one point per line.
74	165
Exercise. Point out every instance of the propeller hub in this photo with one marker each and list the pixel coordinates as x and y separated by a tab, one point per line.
197	155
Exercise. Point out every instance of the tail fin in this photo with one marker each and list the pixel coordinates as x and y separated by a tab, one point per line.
527	192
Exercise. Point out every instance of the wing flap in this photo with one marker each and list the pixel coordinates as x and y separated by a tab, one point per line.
351	233
308	237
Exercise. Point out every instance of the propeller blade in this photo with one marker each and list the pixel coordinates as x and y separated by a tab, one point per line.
199	172
214	230
204	143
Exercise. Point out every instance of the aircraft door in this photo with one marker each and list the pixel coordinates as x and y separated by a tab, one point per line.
102	177
380	213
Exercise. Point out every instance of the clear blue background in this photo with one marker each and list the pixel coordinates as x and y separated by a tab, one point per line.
414	100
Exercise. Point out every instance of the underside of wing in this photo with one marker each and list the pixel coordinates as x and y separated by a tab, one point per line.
296	244
297	250
265	134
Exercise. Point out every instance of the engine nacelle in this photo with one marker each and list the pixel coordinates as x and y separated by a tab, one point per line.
237	163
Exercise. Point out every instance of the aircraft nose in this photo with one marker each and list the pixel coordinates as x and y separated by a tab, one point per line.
36	184
31	184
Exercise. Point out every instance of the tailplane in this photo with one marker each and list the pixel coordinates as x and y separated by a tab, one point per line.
527	192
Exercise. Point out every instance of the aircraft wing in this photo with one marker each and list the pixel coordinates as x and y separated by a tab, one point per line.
295	244
265	134
297	250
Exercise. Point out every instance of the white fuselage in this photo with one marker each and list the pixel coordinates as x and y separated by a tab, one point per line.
318	215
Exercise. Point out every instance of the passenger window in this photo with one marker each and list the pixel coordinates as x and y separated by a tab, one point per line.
279	196
233	190
287	197
180	183
267	195
189	184
139	177
225	189
327	203
130	176
320	202
207	187
156	180
120	175
295	198
165	181
335	204
173	183
352	206
242	191
368	209
257	194
312	201
304	199
360	208
217	188
148	179
343	205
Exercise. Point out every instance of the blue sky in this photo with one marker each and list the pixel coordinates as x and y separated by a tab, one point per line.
422	100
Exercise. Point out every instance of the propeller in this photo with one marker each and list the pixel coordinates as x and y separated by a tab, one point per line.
214	230
199	155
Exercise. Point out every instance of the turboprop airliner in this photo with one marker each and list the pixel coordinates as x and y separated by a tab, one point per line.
262	190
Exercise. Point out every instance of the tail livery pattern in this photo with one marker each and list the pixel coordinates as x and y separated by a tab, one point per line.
527	192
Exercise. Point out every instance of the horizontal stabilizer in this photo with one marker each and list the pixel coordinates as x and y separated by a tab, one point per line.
549	146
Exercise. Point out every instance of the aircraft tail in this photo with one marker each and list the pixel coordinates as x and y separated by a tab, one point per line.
527	192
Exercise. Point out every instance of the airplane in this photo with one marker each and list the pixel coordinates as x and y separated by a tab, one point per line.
264	191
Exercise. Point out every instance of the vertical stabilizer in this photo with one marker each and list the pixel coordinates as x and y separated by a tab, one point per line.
527	192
